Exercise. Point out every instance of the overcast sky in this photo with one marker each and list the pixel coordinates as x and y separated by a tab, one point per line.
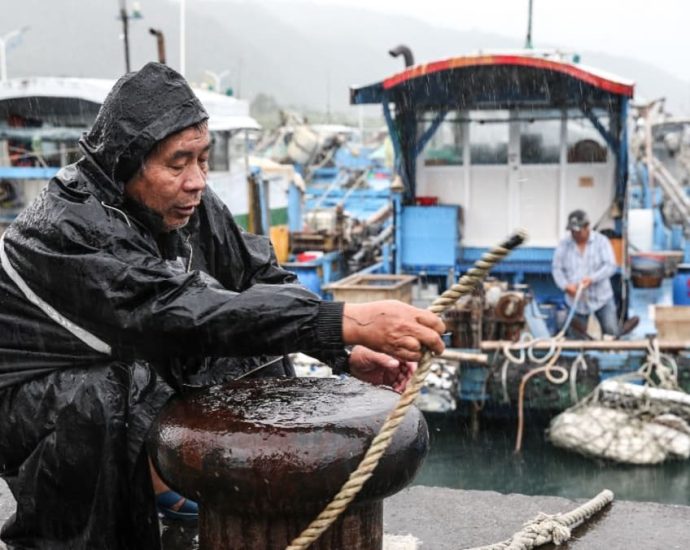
656	31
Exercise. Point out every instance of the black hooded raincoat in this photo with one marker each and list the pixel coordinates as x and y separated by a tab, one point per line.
104	316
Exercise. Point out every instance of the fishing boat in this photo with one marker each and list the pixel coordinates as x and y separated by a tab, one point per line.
339	212
42	119
490	142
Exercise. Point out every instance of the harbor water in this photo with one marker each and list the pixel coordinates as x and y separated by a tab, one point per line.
486	462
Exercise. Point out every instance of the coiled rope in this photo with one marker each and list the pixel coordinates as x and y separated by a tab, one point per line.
553	373
527	342
379	444
554	528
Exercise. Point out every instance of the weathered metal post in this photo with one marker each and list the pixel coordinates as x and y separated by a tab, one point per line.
264	456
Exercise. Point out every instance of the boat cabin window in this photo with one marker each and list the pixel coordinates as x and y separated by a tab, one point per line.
489	137
585	144
445	148
540	141
219	159
238	146
40	153
227	150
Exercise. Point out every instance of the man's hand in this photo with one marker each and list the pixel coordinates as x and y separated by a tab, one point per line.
380	369
571	290
393	328
586	282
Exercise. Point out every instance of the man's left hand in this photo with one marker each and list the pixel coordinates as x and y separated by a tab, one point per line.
380	369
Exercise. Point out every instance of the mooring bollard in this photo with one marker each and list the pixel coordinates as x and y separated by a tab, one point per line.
264	456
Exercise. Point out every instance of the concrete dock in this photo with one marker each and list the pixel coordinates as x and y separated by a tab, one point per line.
450	519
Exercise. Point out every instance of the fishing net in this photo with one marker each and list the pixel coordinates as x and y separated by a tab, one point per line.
640	418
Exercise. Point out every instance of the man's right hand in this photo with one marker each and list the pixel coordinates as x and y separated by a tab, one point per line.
394	328
571	290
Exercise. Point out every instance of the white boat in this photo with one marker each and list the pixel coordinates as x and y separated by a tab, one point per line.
42	119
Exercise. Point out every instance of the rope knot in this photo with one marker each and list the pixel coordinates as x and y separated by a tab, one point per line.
547	528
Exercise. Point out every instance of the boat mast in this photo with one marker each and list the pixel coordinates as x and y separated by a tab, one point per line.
528	40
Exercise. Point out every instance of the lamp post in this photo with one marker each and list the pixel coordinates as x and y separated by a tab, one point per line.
4	42
125	17
217	79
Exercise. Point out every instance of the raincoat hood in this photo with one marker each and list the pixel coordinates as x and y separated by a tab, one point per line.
143	108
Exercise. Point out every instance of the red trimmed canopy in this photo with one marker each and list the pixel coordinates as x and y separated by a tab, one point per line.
510	80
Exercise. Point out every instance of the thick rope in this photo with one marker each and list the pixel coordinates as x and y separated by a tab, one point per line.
548	371
365	469
555	528
527	342
550	358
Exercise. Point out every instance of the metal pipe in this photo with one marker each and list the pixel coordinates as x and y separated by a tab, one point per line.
494	345
453	355
405	52
160	42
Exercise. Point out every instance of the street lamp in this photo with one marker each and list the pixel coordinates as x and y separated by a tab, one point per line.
4	42
217	79
125	17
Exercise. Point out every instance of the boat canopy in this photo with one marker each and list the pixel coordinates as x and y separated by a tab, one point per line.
505	81
70	102
56	101
527	83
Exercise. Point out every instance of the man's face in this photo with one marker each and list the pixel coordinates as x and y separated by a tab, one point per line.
173	177
580	235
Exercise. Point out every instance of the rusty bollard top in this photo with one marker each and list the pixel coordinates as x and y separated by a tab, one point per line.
282	446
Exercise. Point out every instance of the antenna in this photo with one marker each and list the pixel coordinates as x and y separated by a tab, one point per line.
528	40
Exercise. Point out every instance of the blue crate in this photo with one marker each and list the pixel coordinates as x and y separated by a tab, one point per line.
430	237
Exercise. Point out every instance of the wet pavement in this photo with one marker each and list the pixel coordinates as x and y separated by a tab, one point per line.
451	519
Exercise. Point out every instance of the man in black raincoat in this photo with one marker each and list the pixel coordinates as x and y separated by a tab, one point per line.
125	282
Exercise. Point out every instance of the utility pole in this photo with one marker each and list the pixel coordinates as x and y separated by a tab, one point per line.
125	31
528	40
125	17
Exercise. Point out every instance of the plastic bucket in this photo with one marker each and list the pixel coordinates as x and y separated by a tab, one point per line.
681	286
